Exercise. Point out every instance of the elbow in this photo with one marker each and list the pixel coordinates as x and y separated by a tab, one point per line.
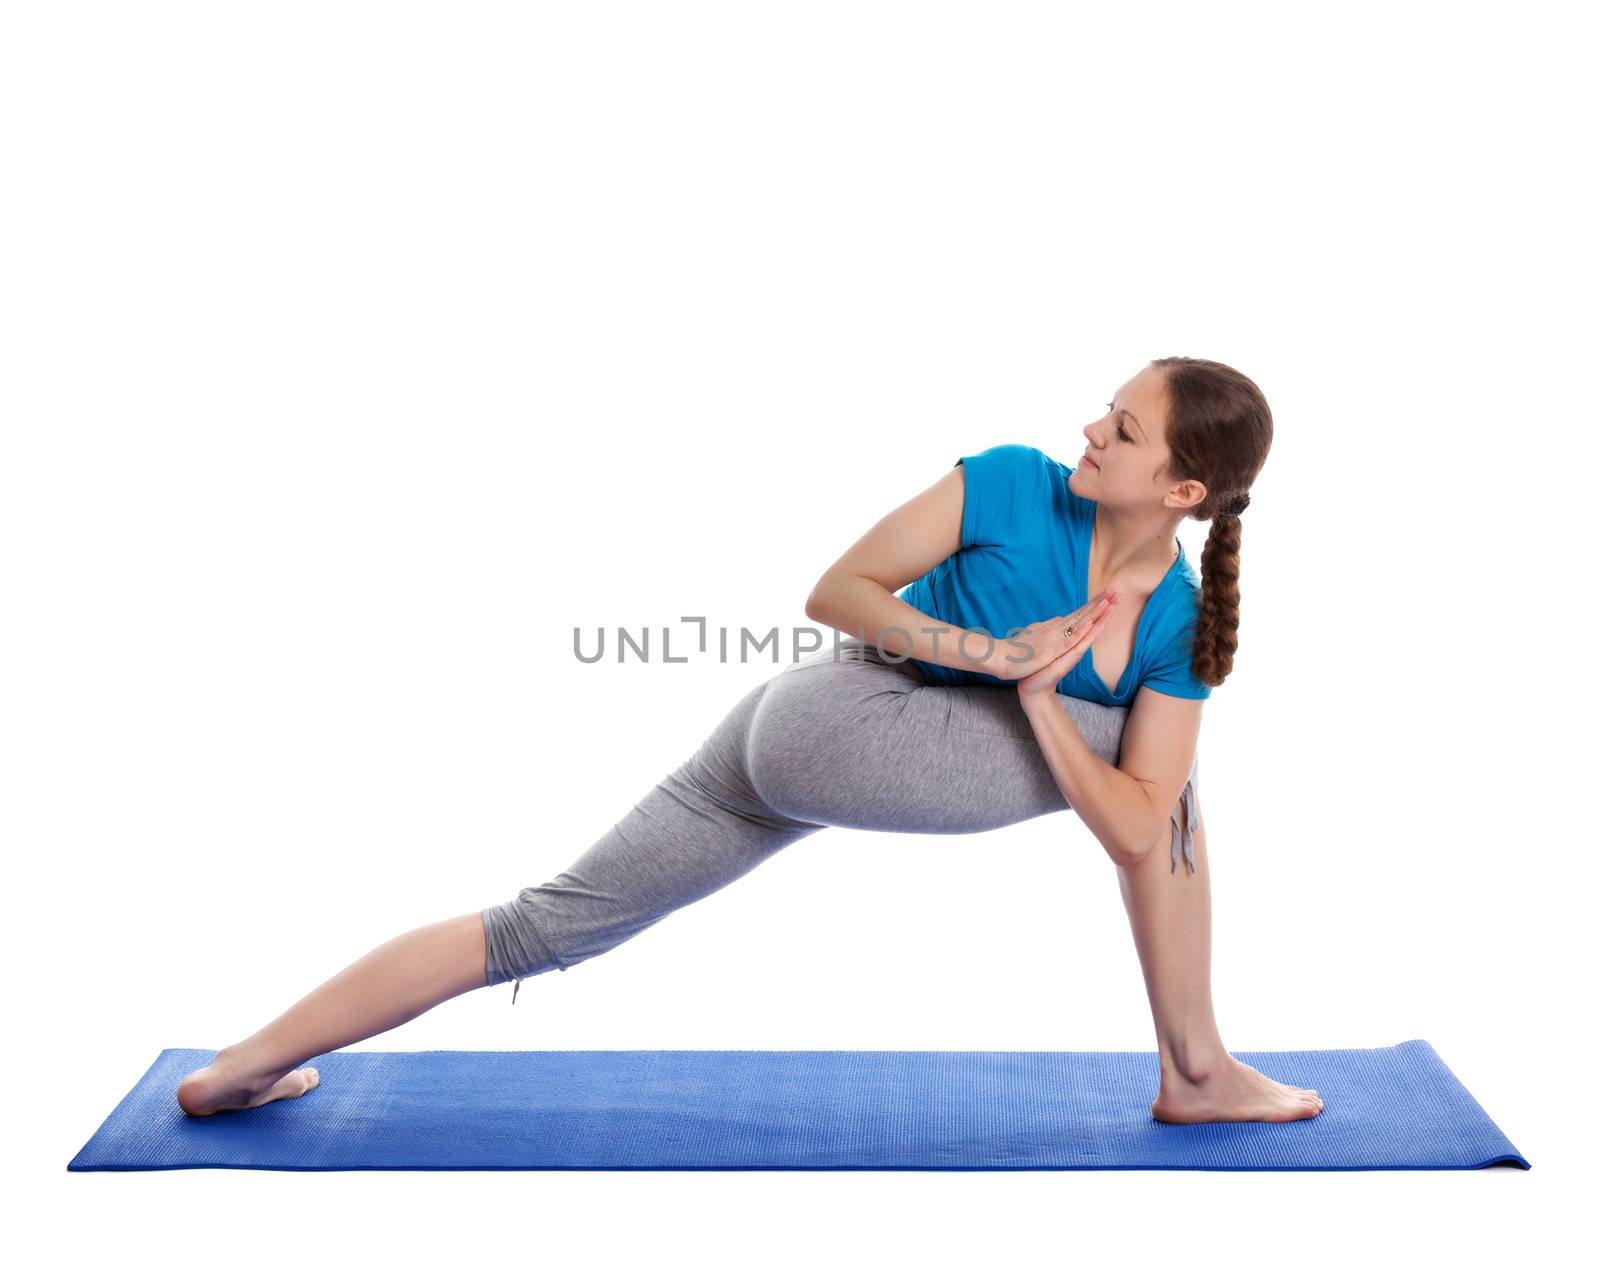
825	604
1144	844
1129	858
818	604
1122	859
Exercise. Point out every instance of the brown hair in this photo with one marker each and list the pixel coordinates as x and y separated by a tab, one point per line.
1219	430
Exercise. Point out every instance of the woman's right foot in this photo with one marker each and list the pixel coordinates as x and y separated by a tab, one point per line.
1232	1090
218	1086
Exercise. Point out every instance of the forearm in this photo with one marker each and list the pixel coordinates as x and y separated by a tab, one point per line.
861	607
1113	805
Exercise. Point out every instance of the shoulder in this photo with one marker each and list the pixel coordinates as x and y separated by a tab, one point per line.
1184	600
1189	574
1008	487
1172	639
1183	607
1011	457
1027	475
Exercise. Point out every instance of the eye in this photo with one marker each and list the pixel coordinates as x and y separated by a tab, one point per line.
1121	433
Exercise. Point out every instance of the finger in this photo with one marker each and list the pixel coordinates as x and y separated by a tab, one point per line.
1084	608
1079	620
1077	646
1074	653
1094	629
1095	602
1063	664
1080	640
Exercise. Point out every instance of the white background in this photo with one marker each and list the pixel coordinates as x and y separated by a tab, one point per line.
354	354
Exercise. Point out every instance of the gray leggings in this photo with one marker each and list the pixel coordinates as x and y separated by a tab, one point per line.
843	738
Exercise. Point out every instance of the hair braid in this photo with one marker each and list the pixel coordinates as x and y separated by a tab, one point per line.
1219	432
1216	637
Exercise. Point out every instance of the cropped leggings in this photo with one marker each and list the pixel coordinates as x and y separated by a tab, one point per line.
843	738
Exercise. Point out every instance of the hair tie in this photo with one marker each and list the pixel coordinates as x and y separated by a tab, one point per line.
1237	506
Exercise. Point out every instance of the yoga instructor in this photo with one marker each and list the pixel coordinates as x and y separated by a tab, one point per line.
1029	637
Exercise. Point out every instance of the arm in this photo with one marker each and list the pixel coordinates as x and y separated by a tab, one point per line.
856	594
1127	806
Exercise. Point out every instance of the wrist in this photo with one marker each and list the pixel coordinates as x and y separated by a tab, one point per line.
997	661
1037	700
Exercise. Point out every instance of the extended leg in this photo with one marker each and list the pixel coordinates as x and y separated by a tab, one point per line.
389	985
697	830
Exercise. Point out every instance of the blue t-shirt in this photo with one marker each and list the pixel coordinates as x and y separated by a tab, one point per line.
1024	557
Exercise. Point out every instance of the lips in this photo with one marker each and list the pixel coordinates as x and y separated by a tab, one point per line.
1091	462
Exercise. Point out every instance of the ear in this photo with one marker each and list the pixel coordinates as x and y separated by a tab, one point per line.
1186	495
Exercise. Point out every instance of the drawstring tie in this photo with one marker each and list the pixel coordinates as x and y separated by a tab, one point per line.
1181	840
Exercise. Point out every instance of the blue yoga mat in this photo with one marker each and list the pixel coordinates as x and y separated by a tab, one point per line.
1388	1108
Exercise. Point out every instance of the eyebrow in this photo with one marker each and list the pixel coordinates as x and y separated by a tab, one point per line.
1137	423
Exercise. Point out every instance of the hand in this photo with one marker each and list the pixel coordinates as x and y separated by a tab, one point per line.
1040	644
1056	653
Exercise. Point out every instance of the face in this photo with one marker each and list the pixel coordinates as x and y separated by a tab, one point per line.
1125	452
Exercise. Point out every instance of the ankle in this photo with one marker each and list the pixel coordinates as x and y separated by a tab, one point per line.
1192	1063
234	1065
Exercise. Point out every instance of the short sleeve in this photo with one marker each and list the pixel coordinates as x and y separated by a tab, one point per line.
1006	489
1170	672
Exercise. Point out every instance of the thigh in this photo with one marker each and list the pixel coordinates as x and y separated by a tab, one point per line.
696	831
700	828
862	742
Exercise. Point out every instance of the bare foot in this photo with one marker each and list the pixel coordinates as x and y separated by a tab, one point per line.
219	1086
1232	1090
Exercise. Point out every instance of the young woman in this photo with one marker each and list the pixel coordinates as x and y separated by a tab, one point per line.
1051	649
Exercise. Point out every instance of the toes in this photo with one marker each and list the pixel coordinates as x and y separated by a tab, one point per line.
285	1087
290	1085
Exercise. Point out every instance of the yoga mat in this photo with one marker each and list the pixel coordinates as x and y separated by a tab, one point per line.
1387	1108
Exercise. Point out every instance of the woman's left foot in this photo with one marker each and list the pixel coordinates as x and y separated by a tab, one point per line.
214	1088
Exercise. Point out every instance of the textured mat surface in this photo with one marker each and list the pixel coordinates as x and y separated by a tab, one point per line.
1389	1108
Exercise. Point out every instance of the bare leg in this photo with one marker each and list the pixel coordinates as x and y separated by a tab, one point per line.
389	985
1170	912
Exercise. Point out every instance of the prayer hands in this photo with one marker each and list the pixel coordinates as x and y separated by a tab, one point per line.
1055	652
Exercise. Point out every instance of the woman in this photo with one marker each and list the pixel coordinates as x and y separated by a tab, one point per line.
1051	649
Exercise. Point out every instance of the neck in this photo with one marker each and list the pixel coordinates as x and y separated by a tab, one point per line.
1130	543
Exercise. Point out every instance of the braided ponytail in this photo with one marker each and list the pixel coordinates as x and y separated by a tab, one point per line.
1219	431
